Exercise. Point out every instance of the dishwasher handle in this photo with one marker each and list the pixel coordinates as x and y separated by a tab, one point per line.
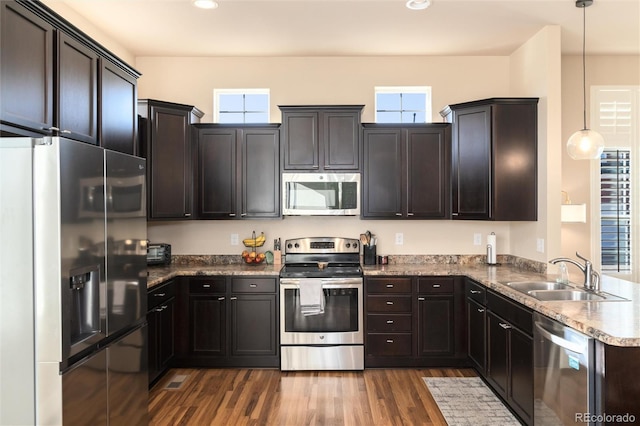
560	341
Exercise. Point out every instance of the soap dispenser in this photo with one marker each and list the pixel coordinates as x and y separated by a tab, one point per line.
563	273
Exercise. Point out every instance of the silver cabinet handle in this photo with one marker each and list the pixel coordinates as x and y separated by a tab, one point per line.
436	286
65	131
221	298
409	214
232	215
52	129
389	340
475	291
480	310
206	285
253	285
389	321
421	299
233	298
398	214
504	325
159	294
187	215
243	214
389	302
389	285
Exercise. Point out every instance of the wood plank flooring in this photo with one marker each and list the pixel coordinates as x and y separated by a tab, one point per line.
272	397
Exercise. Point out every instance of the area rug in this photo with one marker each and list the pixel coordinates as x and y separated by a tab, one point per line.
468	401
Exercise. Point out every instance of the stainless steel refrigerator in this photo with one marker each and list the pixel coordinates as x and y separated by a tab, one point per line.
73	284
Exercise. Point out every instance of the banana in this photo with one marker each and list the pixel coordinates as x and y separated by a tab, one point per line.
255	242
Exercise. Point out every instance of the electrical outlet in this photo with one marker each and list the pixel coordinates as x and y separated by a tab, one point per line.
399	238
235	240
477	239
540	245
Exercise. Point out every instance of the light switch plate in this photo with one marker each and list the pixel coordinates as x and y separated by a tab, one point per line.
235	240
477	239
540	245
399	238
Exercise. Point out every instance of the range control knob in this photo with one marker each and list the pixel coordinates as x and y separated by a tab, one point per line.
355	245
297	245
289	245
348	245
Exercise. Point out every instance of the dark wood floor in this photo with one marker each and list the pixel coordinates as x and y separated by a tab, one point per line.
272	397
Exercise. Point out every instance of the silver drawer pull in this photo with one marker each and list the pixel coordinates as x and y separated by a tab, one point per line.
206	285
389	285
505	326
221	298
160	294
233	298
436	286
420	299
389	321
253	285
475	291
389	341
480	310
389	302
398	214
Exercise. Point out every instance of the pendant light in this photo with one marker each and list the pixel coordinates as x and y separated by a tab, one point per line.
585	144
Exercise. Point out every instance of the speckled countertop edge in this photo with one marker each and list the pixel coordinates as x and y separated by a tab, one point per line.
615	323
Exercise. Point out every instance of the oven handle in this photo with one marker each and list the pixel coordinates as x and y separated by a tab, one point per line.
328	283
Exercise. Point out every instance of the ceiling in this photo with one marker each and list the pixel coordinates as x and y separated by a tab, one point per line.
357	27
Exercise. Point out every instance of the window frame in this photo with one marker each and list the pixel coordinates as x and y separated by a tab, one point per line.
244	92
424	90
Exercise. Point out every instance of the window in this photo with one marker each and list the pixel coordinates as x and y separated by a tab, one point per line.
241	105
403	104
615	112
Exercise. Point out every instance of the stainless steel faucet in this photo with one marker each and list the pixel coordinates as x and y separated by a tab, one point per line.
591	277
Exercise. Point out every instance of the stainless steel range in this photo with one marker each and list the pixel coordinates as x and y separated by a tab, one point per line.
321	305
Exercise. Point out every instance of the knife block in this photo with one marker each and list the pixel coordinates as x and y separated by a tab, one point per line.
369	255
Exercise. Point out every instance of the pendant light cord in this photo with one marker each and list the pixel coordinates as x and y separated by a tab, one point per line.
584	67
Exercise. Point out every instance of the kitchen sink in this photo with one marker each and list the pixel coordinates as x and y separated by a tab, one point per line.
527	286
548	291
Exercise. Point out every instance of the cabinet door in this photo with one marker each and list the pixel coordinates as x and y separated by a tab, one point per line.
207	325
341	140
436	325
428	182
476	335
166	346
254	325
497	353
260	173
77	92
300	147
170	157
118	109
471	163
521	369
217	155
382	177
26	69
153	321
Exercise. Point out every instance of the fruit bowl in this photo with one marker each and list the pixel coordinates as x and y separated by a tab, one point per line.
253	258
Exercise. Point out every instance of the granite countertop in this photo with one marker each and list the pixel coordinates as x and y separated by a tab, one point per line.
616	323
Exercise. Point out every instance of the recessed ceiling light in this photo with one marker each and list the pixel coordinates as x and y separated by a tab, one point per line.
205	4
418	4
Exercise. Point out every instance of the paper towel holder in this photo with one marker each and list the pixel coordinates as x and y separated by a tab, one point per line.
491	254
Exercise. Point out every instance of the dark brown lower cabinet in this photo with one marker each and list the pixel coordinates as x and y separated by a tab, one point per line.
160	317
229	322
415	322
476	333
510	354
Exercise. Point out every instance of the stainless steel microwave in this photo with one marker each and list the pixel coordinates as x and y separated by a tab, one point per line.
321	194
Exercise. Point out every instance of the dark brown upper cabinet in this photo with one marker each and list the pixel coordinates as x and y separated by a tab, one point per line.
238	173
495	152
321	138
54	81
165	134
406	171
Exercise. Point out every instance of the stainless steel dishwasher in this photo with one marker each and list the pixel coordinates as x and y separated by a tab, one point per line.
564	374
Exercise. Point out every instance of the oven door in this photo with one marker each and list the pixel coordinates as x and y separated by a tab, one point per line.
341	322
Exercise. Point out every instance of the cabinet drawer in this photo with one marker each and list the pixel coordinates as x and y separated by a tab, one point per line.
207	285
476	291
514	313
160	294
388	304
253	285
388	285
389	344
436	285
386	323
